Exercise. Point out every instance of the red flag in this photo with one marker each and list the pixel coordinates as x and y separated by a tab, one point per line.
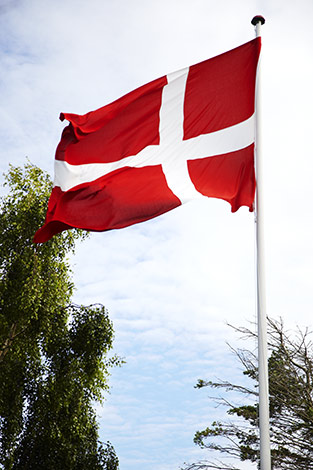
188	134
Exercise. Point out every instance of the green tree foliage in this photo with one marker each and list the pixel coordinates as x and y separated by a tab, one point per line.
291	406
53	354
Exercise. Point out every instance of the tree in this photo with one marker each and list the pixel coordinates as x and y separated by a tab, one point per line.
291	406
53	354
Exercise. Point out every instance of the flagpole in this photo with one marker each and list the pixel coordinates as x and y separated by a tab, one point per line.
265	447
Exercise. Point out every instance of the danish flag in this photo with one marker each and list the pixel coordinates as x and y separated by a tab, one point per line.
183	136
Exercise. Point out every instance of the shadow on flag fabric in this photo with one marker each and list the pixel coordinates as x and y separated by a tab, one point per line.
183	136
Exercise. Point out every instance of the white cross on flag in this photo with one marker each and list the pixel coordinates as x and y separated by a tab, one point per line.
188	134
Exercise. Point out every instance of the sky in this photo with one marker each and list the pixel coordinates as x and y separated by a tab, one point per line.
172	284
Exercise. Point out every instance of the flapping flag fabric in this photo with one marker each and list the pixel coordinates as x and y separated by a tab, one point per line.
186	135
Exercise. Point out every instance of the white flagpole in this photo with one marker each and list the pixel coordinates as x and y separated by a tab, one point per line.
265	448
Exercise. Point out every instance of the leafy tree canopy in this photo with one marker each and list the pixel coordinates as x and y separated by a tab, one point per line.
54	360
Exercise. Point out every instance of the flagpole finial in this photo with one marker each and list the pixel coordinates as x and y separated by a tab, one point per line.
258	19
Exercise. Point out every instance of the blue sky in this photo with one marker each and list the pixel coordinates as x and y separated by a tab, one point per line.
172	283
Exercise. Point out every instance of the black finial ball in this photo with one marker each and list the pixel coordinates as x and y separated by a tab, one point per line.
258	19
